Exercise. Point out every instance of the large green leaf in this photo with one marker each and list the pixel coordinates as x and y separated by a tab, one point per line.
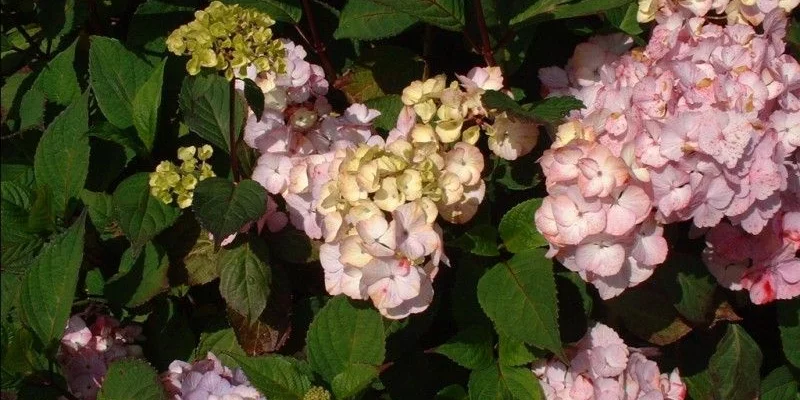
146	105
140	215
658	323
519	296
131	379
551	110
446	14
559	9
275	377
470	348
690	287
142	275
389	106
59	79
153	21
343	334
518	230
504	382
223	208
222	344
61	163
779	385
245	277
204	102
353	380
368	20
789	325
734	367
116	75
49	285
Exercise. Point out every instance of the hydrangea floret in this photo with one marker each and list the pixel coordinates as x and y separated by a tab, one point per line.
207	379
87	349
602	366
228	38
701	125
734	11
170	180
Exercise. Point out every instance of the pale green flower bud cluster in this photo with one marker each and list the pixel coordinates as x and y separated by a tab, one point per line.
317	393
180	181
228	38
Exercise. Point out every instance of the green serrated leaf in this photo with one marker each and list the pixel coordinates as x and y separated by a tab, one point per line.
368	20
49	285
479	240
101	212
734	366
274	376
245	278
554	109
59	79
780	385
153	21
142	275
789	325
201	261
131	379
587	7
690	287
116	74
452	392
504	382
659	323
517	230
446	14
146	105
204	102
222	344
343	334
470	348
31	110
61	163
223	208
140	215
389	106
513	352
519	296
624	18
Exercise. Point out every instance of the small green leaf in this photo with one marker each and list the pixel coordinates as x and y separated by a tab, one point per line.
470	348
140	215
142	275
587	7
223	208
255	97
658	323
779	385
276	377
504	382
690	287
789	325
734	366
49	285
61	163
624	18
519	296
369	20
513	352
204	102
222	344
201	262
554	109
343	334
116	74
31	110
245	277
146	105
517	229
479	240
452	392
59	80
131	379
390	107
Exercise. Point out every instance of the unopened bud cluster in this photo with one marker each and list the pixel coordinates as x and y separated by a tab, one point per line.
228	38
170	180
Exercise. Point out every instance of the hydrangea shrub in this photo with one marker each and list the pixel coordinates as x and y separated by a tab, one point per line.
400	199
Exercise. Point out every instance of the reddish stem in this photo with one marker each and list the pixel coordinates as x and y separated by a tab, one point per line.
486	45
317	44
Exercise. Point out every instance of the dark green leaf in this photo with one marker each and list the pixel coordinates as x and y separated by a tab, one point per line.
479	240
245	277
520	298
222	344
146	105
223	208
554	109
658	323
59	79
446	14
369	20
140	215
255	97
470	348
517	229
513	352
779	385
49	285
131	379
204	102
504	382
142	275
353	380
61	163
389	106
201	262
789	325
734	366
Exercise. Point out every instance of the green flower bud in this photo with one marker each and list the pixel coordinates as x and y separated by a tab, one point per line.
317	393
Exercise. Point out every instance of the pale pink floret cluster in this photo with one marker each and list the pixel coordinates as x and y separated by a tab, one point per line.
207	379
374	202
602	367
703	124
87	350
734	11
